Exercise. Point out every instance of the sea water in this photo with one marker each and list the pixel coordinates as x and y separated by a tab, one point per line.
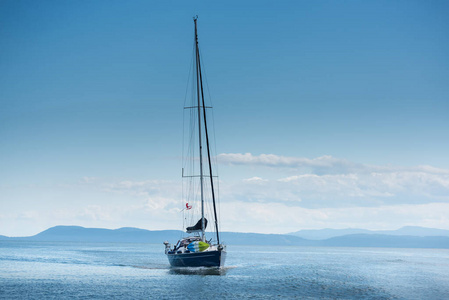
41	270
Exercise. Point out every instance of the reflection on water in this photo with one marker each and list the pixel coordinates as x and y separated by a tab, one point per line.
204	271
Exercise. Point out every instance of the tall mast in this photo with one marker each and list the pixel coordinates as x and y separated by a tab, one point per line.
199	129
198	62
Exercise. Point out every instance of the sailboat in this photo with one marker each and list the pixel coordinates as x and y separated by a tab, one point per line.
194	250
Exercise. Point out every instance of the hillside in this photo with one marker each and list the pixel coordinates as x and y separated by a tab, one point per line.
136	235
321	234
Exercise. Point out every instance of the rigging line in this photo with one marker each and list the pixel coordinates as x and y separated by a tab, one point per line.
198	79
214	140
183	149
188	78
207	141
189	191
185	101
191	133
204	69
187	107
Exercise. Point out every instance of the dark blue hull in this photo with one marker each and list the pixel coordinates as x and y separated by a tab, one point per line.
198	259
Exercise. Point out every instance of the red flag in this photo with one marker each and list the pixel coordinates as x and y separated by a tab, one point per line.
188	206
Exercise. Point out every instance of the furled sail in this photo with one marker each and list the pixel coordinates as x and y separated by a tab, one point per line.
197	226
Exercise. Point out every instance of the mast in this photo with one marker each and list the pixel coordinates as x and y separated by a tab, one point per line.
200	91
199	129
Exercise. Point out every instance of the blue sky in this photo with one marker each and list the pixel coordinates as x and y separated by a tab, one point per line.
327	113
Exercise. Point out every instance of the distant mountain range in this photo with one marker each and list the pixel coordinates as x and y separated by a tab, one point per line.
321	234
406	237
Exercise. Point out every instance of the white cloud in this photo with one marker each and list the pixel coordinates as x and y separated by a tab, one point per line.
158	202
87	179
96	202
330	182
255	179
282	218
295	193
321	165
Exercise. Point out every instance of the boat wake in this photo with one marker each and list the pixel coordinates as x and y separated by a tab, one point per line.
203	271
158	267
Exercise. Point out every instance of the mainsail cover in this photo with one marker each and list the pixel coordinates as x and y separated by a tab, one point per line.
197	226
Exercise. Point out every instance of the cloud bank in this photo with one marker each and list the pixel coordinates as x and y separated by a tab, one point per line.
321	165
327	182
258	193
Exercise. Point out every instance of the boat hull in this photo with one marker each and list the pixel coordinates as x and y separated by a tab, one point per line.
214	258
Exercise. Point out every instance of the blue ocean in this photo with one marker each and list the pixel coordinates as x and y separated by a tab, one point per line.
42	270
